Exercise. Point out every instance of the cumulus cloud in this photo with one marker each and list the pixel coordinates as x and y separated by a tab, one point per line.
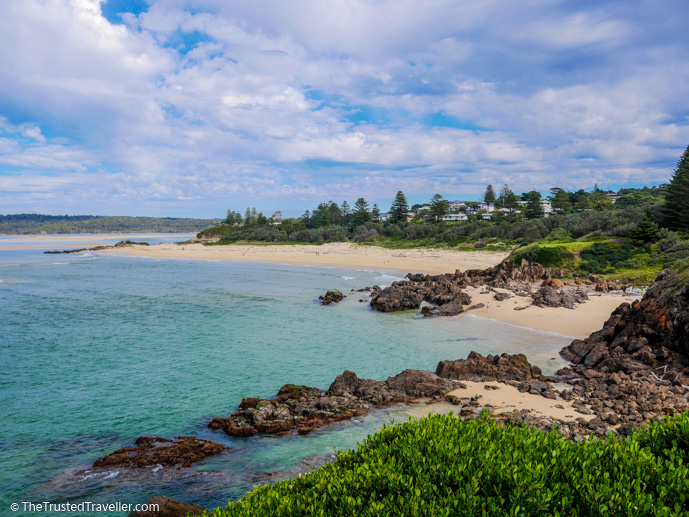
186	108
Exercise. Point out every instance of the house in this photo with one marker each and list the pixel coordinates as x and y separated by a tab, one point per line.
453	218
383	217
486	207
456	206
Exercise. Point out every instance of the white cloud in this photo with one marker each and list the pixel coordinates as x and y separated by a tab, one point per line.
540	94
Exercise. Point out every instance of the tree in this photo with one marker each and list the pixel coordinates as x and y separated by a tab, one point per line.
560	201
676	208
599	201
375	212
439	207
645	231
346	213
489	196
361	213
533	208
334	216
261	219
399	208
508	199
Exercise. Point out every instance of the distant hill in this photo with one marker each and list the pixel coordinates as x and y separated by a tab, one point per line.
51	224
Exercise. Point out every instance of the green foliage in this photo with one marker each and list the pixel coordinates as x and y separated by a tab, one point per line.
645	231
439	207
361	214
533	209
489	196
549	257
604	257
676	209
441	465
560	201
399	208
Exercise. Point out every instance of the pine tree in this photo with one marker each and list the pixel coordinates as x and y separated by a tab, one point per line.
489	196
676	208
560	201
346	213
375	212
399	208
645	231
361	213
439	207
533	208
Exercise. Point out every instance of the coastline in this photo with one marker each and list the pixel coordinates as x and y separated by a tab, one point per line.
578	323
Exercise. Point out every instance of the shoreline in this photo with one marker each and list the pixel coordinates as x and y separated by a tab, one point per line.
578	323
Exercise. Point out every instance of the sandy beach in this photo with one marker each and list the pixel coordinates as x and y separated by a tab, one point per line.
577	323
431	261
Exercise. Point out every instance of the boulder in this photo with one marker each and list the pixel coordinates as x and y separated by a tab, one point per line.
331	297
490	368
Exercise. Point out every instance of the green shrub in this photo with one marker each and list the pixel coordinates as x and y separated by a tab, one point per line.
548	257
605	256
441	465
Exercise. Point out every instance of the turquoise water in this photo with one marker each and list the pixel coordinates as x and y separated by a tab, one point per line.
97	350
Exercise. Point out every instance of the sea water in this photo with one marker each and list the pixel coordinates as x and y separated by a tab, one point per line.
99	349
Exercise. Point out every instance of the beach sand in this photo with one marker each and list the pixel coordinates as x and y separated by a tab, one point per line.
505	399
419	260
577	323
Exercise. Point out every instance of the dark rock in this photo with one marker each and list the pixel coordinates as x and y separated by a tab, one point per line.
489	368
304	409
150	451
169	508
501	296
476	306
331	297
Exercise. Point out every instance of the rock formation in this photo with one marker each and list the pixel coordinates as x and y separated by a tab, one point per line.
490	368
445	294
304	409
152	450
548	296
331	297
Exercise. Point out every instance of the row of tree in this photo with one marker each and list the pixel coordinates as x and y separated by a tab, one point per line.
528	204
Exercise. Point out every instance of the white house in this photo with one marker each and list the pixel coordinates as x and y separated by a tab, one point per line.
486	207
453	218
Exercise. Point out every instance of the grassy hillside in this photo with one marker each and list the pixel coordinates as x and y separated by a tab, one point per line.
441	465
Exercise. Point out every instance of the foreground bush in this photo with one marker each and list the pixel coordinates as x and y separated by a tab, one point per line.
441	465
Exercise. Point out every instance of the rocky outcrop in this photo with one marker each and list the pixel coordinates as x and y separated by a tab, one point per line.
478	368
304	409
331	297
647	334
445	292
548	296
442	291
636	368
152	450
168	508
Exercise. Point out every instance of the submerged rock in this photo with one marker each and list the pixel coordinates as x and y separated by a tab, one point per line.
169	508
152	450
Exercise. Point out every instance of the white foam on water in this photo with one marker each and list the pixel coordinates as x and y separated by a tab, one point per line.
347	278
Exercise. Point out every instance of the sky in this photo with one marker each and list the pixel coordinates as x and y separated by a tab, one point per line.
190	108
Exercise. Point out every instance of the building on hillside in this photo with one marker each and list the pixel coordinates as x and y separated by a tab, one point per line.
383	217
545	206
454	218
456	206
486	207
612	196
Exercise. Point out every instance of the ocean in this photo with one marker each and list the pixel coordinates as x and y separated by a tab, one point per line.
97	350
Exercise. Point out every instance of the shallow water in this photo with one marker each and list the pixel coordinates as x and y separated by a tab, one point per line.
99	349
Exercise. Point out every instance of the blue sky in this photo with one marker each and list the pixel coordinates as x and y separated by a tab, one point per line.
180	108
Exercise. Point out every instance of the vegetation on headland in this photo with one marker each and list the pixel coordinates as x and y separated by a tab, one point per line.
629	240
32	224
442	465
